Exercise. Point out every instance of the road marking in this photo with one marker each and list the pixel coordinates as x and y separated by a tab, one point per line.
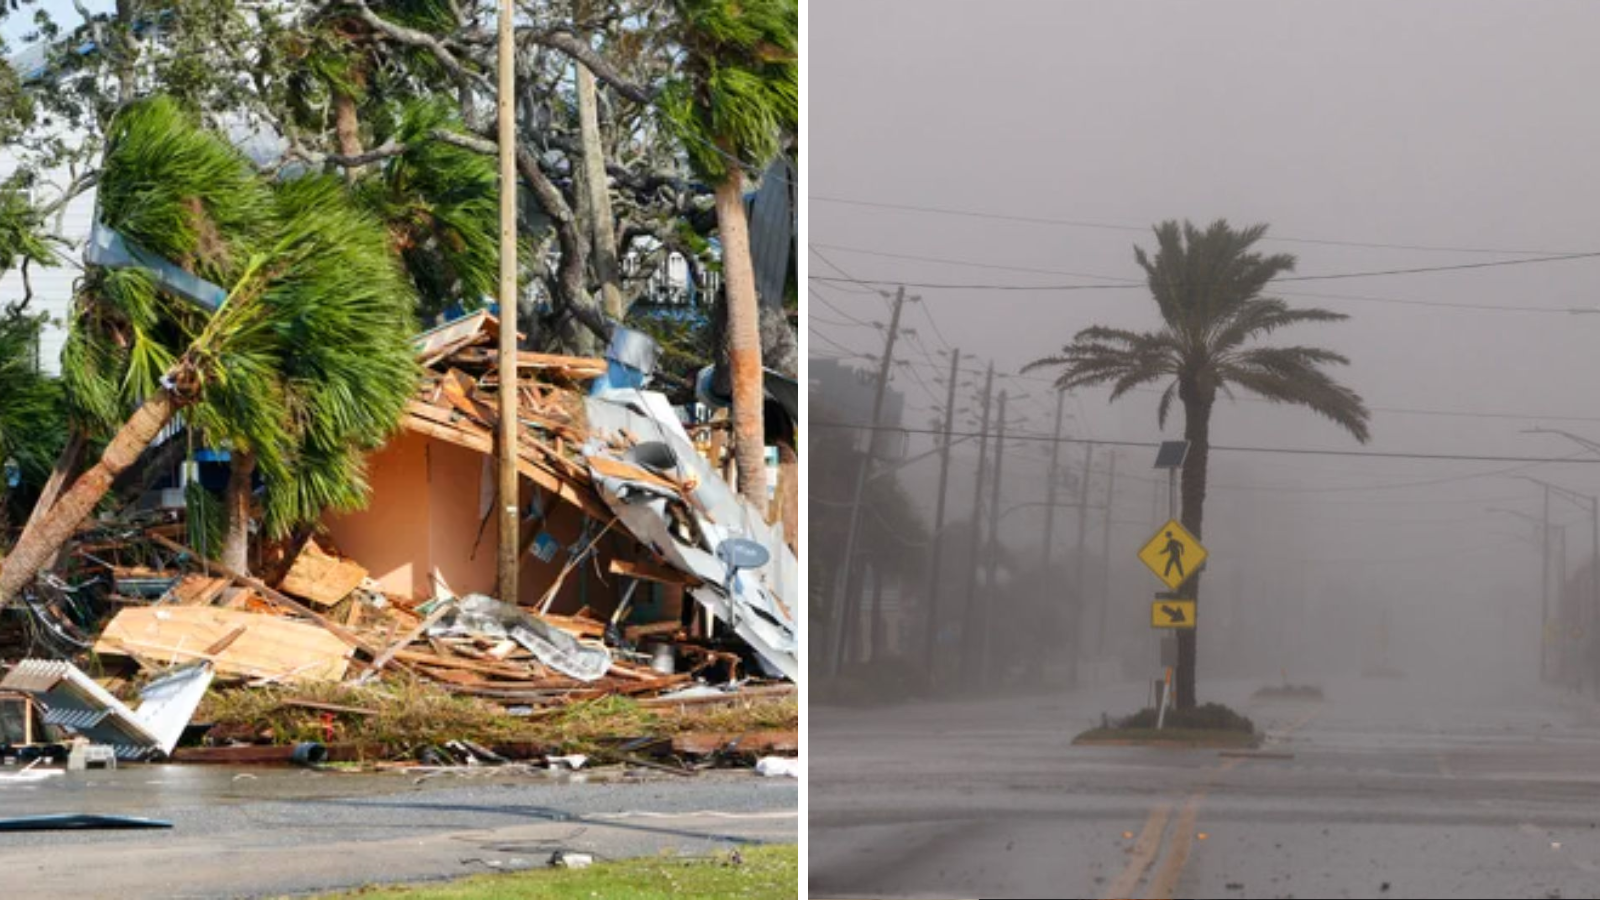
1144	853
1165	881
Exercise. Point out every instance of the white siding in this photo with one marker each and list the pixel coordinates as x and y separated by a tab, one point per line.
52	287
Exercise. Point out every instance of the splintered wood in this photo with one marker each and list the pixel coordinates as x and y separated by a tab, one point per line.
320	578
263	647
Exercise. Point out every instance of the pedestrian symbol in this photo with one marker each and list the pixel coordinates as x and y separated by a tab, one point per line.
1173	554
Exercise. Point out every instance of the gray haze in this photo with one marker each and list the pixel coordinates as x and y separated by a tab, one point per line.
1452	125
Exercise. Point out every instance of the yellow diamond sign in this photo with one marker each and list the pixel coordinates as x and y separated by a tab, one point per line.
1173	554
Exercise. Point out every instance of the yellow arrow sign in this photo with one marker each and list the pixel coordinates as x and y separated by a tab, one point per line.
1172	614
1173	554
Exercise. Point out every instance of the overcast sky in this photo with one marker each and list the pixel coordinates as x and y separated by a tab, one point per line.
1444	125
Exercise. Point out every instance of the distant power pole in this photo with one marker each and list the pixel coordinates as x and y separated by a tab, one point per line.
967	625
1076	638
1105	554
930	639
841	625
994	543
1050	488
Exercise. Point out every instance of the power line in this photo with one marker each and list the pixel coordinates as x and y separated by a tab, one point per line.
1108	226
836	344
1388	410
1114	287
1127	282
825	302
1376	454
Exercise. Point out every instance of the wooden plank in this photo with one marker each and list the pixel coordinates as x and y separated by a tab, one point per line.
262	646
615	468
324	580
466	665
575	367
413	634
759	743
588	628
645	570
635	632
225	641
283	600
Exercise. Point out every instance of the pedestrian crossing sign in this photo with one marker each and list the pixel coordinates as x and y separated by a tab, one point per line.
1173	554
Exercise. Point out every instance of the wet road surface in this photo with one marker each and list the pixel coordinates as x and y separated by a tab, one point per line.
276	831
1388	788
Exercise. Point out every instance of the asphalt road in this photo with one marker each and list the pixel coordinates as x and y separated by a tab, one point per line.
1388	788
268	832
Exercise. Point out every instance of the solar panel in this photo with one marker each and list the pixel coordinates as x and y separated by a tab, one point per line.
1171	454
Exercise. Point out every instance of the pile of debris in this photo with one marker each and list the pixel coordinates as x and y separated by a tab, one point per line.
644	574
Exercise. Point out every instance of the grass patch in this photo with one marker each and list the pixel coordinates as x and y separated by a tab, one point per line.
406	715
1211	725
1289	692
1184	737
765	873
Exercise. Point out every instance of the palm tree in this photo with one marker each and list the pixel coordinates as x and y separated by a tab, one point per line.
736	98
305	366
1208	287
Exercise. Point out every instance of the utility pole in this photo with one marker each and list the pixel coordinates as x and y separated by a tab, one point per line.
1105	554
1075	640
967	626
1050	490
1544	589
994	543
930	639
841	627
509	486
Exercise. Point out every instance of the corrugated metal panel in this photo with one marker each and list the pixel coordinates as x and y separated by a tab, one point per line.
772	228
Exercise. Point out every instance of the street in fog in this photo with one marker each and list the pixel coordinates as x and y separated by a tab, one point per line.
1415	787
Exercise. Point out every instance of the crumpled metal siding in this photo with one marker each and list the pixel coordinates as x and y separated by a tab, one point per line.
760	608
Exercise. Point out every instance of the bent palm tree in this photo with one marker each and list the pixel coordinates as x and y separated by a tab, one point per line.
738	96
306	363
1207	285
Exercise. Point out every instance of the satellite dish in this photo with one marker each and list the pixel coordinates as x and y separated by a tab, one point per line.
738	553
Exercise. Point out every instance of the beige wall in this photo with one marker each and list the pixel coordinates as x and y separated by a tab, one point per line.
390	536
426	512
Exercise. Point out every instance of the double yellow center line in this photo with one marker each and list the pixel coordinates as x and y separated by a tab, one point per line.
1147	848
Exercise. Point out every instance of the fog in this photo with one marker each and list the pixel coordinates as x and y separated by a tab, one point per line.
1454	133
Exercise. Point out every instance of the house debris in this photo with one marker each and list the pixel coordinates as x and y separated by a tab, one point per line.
643	572
73	700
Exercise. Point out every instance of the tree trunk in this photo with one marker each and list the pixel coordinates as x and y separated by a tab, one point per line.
236	550
348	130
61	476
42	538
788	499
1197	431
602	225
744	339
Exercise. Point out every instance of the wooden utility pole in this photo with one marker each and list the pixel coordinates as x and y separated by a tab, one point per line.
1105	555
990	614
845	608
967	620
509	492
1050	488
932	610
1075	640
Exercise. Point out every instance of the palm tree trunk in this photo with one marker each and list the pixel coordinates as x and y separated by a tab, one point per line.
347	128
236	549
42	538
1197	431
744	339
788	499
